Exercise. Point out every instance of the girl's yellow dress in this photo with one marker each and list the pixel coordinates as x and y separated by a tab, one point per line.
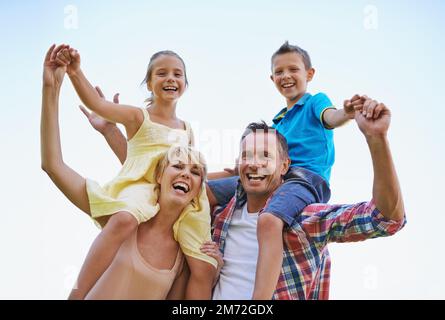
133	190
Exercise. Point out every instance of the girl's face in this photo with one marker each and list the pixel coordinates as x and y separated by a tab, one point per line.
181	183
167	81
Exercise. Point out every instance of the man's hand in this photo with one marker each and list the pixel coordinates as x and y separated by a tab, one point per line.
98	123
374	119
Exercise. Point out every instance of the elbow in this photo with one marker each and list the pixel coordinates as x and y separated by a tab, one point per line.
398	215
45	167
48	169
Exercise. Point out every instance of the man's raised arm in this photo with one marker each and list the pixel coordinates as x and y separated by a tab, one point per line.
374	121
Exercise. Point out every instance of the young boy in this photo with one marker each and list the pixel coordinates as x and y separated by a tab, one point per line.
306	122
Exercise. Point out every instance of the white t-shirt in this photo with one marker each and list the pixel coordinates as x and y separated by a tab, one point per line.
237	277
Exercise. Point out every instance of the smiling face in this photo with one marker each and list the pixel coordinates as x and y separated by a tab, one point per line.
261	164
167	80
180	177
290	76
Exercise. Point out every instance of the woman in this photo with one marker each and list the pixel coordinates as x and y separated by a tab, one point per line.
149	265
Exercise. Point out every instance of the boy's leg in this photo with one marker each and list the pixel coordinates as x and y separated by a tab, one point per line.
202	275
270	255
300	190
102	252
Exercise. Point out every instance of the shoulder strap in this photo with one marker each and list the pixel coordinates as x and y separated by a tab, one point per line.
145	113
189	131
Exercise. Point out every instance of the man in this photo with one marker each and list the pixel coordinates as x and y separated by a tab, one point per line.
305	270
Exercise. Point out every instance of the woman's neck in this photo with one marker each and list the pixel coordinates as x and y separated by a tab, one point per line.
167	215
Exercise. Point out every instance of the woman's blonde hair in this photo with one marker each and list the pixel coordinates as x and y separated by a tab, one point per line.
181	154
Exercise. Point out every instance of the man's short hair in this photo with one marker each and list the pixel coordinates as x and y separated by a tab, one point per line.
286	48
262	127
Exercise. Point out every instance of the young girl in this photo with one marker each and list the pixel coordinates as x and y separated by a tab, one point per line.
130	198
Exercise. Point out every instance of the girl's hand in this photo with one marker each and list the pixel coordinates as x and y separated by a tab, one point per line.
75	61
53	73
211	249
98	123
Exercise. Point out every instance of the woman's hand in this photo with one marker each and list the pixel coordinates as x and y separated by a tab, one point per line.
53	72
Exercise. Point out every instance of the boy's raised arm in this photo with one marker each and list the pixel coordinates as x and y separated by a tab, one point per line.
333	118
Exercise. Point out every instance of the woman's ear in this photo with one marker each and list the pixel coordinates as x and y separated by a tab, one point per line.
158	178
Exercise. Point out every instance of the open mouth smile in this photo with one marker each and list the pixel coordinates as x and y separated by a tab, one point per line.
181	186
170	88
255	177
287	85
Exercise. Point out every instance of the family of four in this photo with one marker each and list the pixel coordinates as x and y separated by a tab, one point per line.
171	230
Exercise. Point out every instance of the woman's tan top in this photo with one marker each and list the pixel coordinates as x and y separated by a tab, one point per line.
130	276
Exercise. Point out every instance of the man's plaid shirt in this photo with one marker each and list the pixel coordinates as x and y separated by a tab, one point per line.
305	272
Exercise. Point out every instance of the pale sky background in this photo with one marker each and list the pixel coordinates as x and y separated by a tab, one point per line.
392	51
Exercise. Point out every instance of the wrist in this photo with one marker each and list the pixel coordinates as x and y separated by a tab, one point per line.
376	139
51	88
73	73
109	129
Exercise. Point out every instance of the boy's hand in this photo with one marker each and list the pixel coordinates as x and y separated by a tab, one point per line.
353	104
98	123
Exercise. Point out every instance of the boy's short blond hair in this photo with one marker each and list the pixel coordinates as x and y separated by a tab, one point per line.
286	48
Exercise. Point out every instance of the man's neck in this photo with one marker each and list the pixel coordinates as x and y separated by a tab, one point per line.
256	202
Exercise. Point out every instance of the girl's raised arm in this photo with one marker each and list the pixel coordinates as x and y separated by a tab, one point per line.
131	117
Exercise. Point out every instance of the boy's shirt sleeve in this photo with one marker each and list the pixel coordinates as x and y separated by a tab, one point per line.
320	105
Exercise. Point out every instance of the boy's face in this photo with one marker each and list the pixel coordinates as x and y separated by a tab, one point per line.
290	76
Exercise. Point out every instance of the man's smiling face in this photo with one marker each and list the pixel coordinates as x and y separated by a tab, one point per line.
261	163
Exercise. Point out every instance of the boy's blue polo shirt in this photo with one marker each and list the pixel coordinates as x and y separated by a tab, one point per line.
311	145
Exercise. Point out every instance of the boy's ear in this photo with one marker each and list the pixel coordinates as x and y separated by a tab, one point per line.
310	74
271	77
